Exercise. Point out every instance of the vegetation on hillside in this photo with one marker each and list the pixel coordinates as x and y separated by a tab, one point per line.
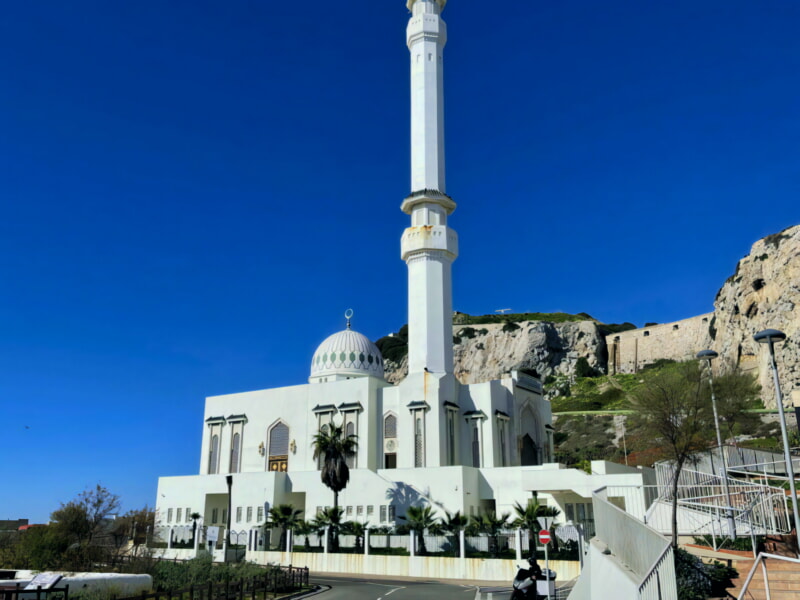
584	433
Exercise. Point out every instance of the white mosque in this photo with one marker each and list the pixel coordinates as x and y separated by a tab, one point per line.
430	439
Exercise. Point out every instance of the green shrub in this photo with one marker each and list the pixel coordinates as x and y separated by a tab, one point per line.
583	369
510	326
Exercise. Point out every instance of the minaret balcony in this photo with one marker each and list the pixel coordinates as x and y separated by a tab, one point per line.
426	27
428	197
429	238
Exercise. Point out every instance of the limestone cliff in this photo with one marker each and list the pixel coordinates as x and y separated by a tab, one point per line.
486	352
763	293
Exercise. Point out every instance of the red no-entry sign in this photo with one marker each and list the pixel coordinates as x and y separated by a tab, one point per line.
544	537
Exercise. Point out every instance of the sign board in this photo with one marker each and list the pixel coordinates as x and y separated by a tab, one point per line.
544	537
212	534
44	580
545	522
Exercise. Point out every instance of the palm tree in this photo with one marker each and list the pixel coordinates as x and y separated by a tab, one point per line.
194	517
527	518
306	528
490	524
358	530
331	518
335	447
284	516
454	523
420	518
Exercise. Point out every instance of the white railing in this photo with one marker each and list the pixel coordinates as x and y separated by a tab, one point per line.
642	549
760	560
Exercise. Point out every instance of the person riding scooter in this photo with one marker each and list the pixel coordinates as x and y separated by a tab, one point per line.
525	581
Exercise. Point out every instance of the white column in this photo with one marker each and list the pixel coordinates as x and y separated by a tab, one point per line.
518	538
366	540
169	541
413	543
462	544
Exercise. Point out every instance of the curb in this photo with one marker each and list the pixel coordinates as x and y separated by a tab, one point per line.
317	590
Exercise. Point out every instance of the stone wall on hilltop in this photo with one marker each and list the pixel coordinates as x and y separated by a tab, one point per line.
486	352
629	351
763	293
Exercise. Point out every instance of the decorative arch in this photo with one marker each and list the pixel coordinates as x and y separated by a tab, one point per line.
236	445
390	440
530	452
278	447
213	458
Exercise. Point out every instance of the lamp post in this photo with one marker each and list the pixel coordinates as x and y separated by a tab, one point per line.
708	355
769	337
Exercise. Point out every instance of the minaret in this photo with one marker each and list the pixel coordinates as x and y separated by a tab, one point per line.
429	246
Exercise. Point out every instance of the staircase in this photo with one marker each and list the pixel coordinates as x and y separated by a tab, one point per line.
783	578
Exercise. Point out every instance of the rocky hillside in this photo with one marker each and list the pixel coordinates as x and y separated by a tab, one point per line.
485	352
763	293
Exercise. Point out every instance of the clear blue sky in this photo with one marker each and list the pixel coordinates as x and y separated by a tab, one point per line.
193	192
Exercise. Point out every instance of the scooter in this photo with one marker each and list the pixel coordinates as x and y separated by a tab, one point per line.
525	582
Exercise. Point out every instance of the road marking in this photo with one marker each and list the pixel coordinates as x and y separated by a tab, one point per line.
395	589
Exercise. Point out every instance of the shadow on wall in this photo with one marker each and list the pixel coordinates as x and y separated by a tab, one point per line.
402	496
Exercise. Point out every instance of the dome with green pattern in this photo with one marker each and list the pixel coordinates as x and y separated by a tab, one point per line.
345	355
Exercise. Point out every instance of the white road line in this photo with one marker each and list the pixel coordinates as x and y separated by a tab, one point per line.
395	589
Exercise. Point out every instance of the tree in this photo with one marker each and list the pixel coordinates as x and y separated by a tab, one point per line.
357	530
735	392
490	524
305	528
286	517
331	518
454	524
420	518
86	516
673	410
195	516
335	447
527	519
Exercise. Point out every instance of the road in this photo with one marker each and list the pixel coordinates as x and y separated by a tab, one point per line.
364	588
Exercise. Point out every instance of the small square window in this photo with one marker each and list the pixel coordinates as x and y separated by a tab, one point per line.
370	510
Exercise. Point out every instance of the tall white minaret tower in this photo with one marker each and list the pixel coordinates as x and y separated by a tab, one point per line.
429	246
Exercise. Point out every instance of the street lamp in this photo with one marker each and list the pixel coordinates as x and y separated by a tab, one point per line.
769	337
708	355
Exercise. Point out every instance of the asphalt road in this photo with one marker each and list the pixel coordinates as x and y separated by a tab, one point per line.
364	588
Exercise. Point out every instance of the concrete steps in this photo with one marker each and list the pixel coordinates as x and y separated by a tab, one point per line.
783	579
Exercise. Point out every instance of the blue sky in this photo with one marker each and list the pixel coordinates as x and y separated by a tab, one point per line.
193	193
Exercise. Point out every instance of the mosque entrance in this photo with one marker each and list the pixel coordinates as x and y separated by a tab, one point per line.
530	451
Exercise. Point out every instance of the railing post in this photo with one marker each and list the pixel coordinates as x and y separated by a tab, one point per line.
518	539
462	544
413	535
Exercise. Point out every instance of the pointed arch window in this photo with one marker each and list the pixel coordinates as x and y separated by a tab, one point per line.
235	447
214	436
213	455
350	429
278	448
390	442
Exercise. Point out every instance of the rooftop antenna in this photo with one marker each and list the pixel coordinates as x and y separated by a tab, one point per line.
502	311
348	314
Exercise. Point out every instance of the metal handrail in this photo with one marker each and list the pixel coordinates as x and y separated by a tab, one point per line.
760	559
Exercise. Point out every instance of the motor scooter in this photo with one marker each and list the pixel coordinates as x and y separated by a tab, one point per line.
525	582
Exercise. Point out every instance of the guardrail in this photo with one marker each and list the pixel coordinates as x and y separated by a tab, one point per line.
645	551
